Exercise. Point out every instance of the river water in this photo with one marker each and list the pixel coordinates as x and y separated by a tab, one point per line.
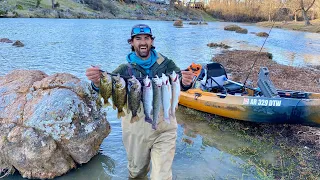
72	45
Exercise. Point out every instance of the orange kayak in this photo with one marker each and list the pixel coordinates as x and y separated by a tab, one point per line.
299	108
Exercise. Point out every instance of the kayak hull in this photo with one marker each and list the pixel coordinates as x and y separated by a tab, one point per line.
255	109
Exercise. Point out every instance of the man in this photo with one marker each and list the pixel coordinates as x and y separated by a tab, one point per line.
141	142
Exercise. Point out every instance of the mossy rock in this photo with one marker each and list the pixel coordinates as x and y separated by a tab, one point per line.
203	23
262	34
242	31
221	45
193	23
232	27
178	23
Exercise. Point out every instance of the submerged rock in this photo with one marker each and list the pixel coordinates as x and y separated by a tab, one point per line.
5	40
48	124
18	44
178	23
262	34
232	27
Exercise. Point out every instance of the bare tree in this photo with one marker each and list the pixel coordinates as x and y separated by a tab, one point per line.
303	6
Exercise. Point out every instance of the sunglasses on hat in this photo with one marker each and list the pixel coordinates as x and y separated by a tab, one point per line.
141	30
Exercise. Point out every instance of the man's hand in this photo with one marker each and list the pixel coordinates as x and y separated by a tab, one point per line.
187	77
93	74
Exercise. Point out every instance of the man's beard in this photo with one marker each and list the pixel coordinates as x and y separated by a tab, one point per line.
143	53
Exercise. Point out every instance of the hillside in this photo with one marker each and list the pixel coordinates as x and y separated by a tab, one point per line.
97	9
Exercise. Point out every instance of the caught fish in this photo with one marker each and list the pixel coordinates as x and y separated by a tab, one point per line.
134	97
156	100
105	87
119	94
147	99
175	83
166	94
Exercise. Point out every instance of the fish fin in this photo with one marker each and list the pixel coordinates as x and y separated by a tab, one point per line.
148	119
134	119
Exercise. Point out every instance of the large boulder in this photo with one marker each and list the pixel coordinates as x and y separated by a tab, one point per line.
48	124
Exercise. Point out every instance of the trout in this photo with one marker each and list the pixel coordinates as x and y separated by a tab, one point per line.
119	94
175	83
134	97
105	87
156	100
166	94
147	99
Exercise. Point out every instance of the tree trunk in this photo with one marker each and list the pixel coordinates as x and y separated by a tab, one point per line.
52	4
269	16
172	4
305	17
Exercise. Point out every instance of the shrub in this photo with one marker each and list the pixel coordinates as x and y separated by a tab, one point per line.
18	6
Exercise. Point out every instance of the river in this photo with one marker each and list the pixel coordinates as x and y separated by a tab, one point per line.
72	45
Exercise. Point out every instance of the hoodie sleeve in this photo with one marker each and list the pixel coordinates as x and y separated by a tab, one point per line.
173	67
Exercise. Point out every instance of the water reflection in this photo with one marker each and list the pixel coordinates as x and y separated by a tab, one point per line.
99	167
202	152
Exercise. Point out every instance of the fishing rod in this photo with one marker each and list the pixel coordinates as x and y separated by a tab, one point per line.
265	40
261	48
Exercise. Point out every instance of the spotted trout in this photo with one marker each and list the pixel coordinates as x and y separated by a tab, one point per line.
156	100
105	87
147	99
134	97
175	83
119	94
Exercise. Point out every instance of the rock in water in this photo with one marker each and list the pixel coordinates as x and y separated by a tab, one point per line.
48	124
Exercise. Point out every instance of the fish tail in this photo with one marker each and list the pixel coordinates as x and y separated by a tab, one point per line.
121	114
148	119
134	119
106	104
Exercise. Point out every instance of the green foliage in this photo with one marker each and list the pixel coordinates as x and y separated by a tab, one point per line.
38	3
2	12
56	5
18	6
97	5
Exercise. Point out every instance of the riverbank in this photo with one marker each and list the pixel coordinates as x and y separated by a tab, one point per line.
68	9
292	25
239	64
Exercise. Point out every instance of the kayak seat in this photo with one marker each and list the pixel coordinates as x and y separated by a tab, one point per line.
215	70
216	76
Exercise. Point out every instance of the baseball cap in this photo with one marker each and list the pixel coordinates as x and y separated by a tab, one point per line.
141	29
